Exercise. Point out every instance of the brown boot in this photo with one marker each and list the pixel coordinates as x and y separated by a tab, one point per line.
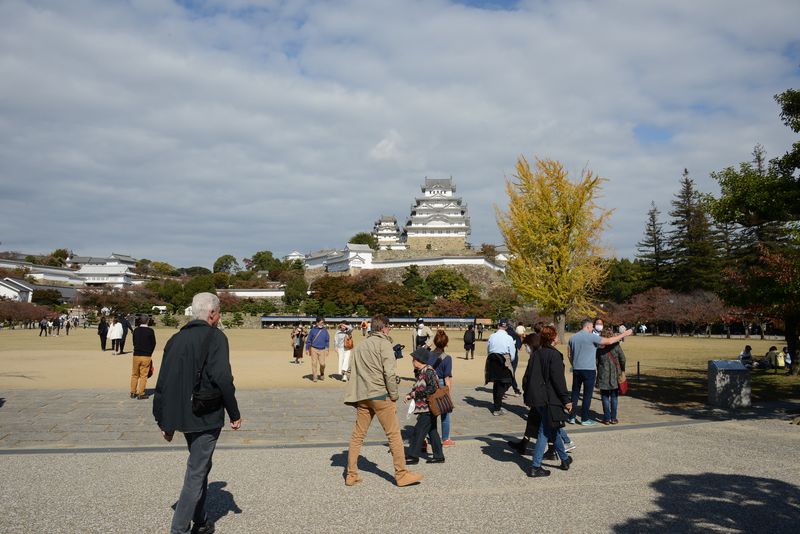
352	479
408	478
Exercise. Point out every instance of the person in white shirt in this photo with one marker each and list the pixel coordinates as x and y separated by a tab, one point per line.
115	335
342	334
501	351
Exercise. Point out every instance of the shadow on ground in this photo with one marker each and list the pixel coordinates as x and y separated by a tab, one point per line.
340	460
219	502
2	401
715	502
520	411
496	447
686	396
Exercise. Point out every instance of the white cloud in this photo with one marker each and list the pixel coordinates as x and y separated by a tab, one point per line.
148	128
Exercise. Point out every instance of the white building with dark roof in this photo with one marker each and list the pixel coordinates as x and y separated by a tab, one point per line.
387	233
118	276
16	290
44	273
438	219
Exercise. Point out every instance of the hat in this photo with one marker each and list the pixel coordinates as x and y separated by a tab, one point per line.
502	322
422	355
420	320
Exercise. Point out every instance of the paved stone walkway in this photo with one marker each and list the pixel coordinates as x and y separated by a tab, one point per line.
34	419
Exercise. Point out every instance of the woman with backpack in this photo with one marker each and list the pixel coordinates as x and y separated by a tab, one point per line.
469	342
343	341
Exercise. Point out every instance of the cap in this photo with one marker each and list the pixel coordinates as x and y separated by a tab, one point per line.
420	320
502	322
422	355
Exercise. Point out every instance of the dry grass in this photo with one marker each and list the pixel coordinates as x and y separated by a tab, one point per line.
673	368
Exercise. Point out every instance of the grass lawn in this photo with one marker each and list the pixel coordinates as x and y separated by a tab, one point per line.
673	369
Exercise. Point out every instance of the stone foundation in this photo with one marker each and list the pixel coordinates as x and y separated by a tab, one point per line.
437	243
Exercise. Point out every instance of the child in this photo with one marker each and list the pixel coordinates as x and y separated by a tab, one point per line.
427	382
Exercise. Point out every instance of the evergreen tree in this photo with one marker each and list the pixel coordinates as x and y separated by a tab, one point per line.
692	254
651	251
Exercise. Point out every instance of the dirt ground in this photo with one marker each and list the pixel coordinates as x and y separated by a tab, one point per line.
261	358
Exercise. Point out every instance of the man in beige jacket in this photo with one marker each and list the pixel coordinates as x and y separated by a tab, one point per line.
372	390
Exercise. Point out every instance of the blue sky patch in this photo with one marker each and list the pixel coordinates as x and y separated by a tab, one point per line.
648	134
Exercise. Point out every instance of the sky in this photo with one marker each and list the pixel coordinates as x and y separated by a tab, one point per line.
182	131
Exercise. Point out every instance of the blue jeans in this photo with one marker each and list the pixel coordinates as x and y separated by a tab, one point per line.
547	434
445	420
586	378
609	398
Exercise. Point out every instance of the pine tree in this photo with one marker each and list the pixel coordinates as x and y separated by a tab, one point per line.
692	254
652	252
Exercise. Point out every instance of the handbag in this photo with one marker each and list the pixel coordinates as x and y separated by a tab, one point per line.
440	402
151	370
205	402
348	342
622	379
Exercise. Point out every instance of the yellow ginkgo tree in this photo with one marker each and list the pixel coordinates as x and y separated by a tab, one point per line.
552	229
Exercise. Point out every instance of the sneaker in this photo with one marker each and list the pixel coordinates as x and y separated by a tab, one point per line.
203	528
550	455
571	420
501	411
408	479
606	421
133	395
589	422
570	446
448	443
322	377
536	472
614	421
566	463
344	378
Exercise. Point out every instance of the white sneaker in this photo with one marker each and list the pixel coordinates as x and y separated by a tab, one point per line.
344	378
570	446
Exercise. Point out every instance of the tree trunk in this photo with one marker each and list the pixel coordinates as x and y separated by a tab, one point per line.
560	319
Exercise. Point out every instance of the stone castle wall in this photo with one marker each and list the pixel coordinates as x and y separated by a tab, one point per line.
437	243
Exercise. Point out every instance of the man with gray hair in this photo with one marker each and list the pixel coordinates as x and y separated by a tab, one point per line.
194	389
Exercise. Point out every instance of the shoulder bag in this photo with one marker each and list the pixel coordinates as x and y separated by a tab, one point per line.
440	402
205	402
348	342
622	380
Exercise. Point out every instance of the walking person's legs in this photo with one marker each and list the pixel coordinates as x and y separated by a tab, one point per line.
386	412
435	439
364	415
314	355
577	381
605	397
588	390
191	503
614	403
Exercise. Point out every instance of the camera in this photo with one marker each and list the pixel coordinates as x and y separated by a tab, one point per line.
398	350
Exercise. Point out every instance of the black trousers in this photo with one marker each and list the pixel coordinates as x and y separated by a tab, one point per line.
426	426
498	390
122	343
103	342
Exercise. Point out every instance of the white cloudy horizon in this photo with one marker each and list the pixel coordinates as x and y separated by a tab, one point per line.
182	131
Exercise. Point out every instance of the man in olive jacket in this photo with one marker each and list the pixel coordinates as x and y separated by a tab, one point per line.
372	391
172	405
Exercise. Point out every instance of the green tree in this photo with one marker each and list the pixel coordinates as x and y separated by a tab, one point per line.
46	297
692	253
162	268
652	251
194	271
413	280
365	238
295	291
625	279
143	266
226	264
556	261
199	284
262	261
449	284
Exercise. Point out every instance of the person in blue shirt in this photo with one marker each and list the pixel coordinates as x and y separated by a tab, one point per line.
501	351
317	344
582	353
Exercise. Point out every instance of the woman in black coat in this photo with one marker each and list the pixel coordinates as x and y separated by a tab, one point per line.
547	392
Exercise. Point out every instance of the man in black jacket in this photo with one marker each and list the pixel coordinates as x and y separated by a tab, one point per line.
126	325
172	405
